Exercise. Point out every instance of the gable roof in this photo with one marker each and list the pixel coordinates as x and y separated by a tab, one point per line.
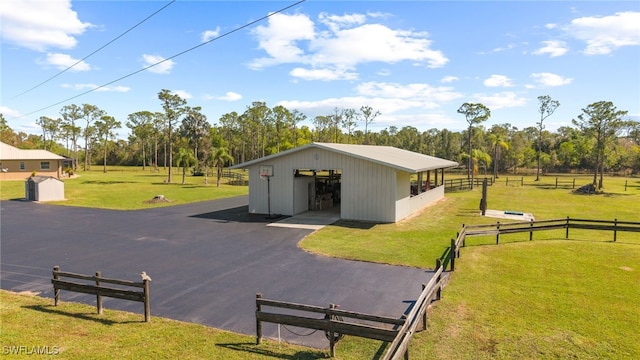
390	156
8	152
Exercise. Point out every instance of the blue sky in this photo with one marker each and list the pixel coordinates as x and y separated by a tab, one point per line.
416	61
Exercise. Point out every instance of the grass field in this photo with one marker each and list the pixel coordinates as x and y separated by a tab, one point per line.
130	188
550	298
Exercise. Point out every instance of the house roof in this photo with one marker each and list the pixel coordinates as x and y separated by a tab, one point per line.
8	152
399	159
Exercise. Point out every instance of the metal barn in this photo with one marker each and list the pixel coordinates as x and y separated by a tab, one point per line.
361	182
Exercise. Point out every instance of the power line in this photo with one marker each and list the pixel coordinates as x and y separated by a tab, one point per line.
167	59
102	47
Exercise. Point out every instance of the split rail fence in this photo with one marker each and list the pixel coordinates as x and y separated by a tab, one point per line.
99	290
337	323
465	183
530	227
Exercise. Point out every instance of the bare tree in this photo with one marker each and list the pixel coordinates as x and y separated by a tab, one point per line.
546	109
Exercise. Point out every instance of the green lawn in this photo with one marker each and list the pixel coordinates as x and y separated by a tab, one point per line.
549	298
130	188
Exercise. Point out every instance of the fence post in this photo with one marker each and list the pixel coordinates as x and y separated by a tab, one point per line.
452	255
147	301
424	314
625	185
531	231
439	292
522	181
507	182
566	236
258	323
556	182
615	229
464	238
498	234
574	183
332	335
98	296
56	299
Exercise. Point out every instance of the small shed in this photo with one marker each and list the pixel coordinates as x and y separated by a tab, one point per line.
44	188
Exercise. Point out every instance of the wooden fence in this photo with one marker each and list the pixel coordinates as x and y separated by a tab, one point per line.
336	323
99	290
530	227
465	183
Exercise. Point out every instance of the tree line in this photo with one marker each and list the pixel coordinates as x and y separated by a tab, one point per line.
600	139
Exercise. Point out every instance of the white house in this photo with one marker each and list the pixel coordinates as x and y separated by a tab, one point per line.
362	182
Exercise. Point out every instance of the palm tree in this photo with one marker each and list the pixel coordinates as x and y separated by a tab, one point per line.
497	143
185	158
220	157
479	156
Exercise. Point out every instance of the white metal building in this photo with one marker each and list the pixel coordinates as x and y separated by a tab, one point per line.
366	182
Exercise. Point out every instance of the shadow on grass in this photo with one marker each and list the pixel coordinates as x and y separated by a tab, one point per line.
258	350
105	182
352	224
51	309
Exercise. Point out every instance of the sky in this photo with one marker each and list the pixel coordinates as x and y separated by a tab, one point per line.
416	62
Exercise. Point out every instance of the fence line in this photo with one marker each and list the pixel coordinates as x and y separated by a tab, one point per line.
465	183
99	290
530	227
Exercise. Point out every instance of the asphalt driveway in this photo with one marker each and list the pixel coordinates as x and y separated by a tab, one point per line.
207	261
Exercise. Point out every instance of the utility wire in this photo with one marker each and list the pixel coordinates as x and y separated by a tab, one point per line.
167	59
102	47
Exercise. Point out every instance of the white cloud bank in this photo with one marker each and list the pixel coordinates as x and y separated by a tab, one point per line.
605	34
498	81
40	25
64	61
553	48
550	79
333	47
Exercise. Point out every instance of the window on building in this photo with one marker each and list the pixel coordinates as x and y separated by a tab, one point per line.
45	165
22	167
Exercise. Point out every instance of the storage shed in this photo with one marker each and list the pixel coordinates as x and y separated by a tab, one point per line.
361	182
44	188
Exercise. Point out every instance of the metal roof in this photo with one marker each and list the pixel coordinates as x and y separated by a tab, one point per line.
390	156
8	152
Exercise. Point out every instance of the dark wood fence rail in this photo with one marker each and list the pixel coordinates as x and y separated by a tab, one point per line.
566	183
99	290
465	183
498	229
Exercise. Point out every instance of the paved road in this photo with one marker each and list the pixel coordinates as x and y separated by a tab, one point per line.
207	261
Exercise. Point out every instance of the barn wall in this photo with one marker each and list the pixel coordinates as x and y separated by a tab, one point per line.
408	205
369	191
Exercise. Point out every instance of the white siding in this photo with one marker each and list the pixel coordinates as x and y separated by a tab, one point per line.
370	191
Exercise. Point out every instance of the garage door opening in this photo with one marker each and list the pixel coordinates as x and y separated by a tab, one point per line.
322	190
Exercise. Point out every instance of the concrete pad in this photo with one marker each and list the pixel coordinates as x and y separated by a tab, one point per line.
310	220
500	214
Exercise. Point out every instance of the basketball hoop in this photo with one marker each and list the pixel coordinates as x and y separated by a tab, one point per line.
266	171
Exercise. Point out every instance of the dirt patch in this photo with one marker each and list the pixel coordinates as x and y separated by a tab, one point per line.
626	268
28	293
157	199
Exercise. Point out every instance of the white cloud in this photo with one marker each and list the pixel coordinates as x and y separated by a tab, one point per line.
162	68
210	34
9	112
607	33
449	79
550	26
39	25
500	100
425	94
81	87
549	79
346	42
552	47
229	96
337	22
498	81
324	74
183	94
63	61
